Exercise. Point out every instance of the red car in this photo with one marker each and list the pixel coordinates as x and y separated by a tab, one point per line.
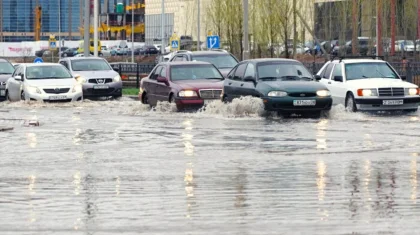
187	84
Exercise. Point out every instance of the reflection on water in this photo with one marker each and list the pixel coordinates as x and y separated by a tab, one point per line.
321	140
31	193
32	140
413	179
77	183
320	181
187	137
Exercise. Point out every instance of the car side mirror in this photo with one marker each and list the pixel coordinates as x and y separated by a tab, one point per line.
403	77
250	79
162	80
19	78
338	78
317	77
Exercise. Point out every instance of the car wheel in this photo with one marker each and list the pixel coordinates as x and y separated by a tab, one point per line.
172	99
350	104
145	99
117	97
225	99
8	96
22	96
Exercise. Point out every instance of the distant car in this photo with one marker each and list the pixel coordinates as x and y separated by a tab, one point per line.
368	85
69	52
6	71
223	60
96	75
285	86
187	84
147	50
43	82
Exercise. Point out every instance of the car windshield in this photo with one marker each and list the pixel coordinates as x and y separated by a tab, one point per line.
6	68
193	72
282	71
356	71
222	61
89	65
47	72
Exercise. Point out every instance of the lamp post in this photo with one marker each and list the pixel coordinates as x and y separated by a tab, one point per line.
245	55
86	51
162	47
198	25
132	32
59	29
95	28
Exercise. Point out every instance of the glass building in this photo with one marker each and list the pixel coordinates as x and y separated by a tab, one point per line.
17	19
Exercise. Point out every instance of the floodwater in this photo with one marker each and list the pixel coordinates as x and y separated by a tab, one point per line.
109	167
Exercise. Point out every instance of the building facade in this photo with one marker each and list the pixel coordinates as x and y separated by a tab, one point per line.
17	19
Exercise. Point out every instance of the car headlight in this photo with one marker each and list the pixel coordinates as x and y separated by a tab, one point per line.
81	79
367	92
277	93
411	91
77	88
117	78
33	89
187	93
323	93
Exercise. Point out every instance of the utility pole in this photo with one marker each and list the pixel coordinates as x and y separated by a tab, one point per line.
59	29
245	55
355	22
393	10
132	32
162	47
198	26
378	27
294	29
95	27
86	51
418	19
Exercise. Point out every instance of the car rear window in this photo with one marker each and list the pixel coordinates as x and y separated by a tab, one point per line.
221	61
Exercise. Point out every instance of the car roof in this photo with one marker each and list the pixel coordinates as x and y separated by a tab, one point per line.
203	52
186	63
4	60
84	58
353	61
261	60
41	64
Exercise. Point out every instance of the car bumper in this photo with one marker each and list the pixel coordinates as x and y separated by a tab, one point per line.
2	92
285	104
66	97
377	104
113	89
182	103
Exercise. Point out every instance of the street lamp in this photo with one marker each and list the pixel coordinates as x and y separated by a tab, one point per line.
132	32
162	47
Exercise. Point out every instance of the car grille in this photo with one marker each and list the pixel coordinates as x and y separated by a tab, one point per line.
391	91
302	94
56	90
100	80
210	94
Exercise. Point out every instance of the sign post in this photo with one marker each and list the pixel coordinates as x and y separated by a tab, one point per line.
52	43
175	43
213	42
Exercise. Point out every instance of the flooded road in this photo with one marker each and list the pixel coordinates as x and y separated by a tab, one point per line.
118	168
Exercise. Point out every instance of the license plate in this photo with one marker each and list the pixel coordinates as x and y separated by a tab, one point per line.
58	97
304	102
100	87
393	102
2	93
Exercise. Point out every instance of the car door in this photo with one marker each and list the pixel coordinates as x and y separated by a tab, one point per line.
337	84
163	89
247	88
151	85
326	73
227	85
14	86
237	80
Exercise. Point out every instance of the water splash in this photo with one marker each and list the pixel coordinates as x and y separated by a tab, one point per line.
165	107
239	107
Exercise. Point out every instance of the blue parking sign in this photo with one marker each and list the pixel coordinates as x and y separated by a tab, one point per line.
213	42
38	60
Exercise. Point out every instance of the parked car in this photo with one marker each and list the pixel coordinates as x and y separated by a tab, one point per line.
43	82
368	85
6	71
70	52
284	85
223	60
147	50
96	75
187	84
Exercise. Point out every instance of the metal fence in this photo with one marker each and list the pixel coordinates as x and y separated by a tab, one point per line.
133	72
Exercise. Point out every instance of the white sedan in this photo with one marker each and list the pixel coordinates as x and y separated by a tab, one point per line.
43	82
368	85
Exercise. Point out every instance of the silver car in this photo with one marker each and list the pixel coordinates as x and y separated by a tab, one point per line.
96	75
6	71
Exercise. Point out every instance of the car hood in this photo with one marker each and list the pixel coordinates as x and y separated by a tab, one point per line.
379	83
296	86
4	77
96	74
67	82
199	84
225	71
